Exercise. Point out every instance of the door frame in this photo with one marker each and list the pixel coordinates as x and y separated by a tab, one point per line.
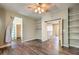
60	20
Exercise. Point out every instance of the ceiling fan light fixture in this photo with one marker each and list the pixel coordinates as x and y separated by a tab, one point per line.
42	10
40	7
36	10
39	12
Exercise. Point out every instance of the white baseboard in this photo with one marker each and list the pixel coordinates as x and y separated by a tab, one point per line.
76	46
65	46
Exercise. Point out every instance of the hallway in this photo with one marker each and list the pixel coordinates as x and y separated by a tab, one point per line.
36	47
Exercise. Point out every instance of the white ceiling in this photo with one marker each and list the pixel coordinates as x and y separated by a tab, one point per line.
21	8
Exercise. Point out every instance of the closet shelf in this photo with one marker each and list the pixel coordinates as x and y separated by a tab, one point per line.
74	20
74	32
74	38
73	26
74	14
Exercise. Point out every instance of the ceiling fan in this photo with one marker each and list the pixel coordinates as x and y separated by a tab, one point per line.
39	7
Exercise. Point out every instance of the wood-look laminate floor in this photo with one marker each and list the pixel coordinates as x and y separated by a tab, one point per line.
38	48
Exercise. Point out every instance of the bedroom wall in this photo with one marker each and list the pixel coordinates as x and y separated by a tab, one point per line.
2	25
29	24
63	14
38	29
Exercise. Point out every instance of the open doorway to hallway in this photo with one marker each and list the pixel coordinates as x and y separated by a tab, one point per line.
54	32
16	32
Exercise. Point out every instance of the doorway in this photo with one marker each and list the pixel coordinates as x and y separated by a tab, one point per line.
17	29
54	32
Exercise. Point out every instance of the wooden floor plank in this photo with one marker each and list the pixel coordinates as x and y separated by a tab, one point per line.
39	48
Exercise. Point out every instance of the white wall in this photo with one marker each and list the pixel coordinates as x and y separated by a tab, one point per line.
51	16
38	29
29	25
2	25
